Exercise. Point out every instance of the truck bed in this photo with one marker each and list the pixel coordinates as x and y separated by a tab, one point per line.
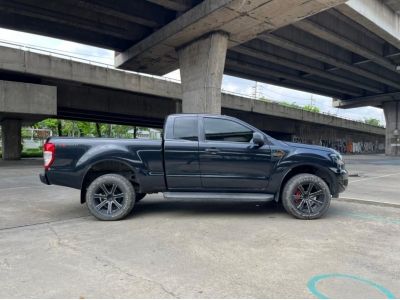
74	157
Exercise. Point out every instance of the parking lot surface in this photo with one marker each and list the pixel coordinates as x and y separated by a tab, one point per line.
51	247
373	177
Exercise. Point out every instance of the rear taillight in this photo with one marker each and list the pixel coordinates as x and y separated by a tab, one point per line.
49	150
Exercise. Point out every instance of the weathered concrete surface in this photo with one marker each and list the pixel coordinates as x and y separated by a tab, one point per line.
242	19
376	16
27	99
50	247
125	107
60	68
11	139
374	178
392	116
276	109
202	65
22	102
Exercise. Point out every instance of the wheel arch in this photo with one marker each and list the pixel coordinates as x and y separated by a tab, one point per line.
309	168
106	166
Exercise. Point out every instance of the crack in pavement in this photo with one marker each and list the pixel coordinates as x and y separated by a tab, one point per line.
43	223
113	265
107	262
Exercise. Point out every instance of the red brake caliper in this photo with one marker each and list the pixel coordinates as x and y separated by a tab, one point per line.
297	197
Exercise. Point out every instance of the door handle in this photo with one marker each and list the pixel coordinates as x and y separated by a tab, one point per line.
212	150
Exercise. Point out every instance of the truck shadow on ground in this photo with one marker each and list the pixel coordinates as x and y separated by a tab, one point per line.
269	209
200	208
208	207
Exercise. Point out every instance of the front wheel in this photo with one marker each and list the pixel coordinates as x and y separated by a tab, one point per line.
306	196
110	197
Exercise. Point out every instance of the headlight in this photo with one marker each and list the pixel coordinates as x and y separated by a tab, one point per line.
337	159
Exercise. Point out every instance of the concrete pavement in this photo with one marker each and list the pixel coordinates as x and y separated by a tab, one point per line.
51	247
378	178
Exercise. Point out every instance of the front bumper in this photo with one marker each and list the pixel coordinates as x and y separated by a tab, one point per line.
43	178
342	179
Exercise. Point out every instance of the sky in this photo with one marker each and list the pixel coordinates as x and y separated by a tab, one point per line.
229	84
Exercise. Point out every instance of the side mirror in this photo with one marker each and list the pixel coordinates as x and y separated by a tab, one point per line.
258	139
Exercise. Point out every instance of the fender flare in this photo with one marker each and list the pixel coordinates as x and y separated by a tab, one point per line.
90	166
324	170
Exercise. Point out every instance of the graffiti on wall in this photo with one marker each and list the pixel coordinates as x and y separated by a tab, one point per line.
345	145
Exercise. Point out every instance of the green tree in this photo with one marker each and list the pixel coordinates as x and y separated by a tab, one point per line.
51	124
85	128
98	129
372	121
292	105
82	128
311	108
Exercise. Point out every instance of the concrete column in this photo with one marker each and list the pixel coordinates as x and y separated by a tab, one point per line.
11	139
202	65
392	116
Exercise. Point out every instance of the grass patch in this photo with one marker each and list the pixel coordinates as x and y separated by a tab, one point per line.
32	153
26	153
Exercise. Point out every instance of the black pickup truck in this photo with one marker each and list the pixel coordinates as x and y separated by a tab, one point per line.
199	156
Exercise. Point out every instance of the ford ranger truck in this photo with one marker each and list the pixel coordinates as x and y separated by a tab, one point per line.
200	157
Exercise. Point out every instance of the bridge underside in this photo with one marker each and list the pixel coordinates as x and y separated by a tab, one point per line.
342	52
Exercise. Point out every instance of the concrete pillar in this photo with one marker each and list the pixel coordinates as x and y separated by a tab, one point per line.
202	65
392	116
11	139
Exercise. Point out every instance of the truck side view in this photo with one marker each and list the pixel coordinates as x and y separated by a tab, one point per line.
199	156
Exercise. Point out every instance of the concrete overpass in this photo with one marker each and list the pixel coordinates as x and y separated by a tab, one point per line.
348	50
34	86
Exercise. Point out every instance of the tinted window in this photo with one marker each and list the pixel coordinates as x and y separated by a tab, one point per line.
185	128
226	130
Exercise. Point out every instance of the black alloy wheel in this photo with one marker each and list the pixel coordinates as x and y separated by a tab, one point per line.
110	197
306	196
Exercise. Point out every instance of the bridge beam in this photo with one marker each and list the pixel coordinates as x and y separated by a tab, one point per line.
22	103
376	17
202	66
243	20
392	116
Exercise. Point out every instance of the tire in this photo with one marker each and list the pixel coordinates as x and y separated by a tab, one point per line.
140	196
296	197
110	197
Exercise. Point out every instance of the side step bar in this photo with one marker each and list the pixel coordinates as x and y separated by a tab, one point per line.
217	196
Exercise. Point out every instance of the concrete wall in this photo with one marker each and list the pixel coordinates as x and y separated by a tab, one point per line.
27	100
342	139
105	105
279	110
46	66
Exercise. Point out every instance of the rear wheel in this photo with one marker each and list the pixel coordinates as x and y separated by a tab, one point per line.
110	197
306	196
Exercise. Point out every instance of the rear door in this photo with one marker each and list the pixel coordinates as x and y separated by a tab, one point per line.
181	153
229	161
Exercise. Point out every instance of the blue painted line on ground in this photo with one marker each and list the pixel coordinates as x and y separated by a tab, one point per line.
312	284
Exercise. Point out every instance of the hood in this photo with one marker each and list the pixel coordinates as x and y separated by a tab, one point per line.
312	147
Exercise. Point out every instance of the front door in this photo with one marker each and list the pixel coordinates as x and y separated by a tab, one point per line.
229	161
181	154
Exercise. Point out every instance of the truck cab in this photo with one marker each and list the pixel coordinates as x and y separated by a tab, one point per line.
215	153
